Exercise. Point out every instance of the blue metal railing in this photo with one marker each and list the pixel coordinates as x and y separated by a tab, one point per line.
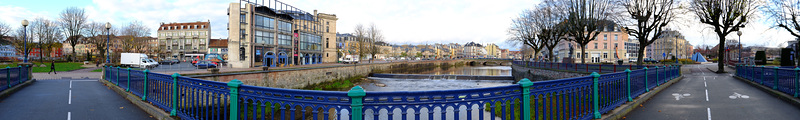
13	76
784	79
572	98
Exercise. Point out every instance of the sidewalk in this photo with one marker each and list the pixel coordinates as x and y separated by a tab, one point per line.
75	74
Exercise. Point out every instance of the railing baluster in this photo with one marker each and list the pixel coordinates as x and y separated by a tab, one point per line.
128	88
356	95
595	95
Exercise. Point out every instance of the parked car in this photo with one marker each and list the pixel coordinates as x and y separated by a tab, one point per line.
170	62
205	64
650	60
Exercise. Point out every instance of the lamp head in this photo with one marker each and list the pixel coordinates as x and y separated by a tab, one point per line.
25	23
108	25
739	33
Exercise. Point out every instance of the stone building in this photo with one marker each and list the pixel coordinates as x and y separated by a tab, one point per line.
183	40
329	37
609	46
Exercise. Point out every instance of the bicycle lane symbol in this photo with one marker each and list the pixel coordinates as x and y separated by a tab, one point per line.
737	95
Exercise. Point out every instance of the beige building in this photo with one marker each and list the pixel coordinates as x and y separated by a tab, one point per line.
670	43
329	37
493	51
183	40
282	36
609	46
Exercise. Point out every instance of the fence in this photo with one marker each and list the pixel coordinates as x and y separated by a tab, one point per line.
783	79
581	67
10	77
573	98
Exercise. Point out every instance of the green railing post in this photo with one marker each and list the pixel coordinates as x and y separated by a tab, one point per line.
646	89
118	70
20	73
796	80
8	75
129	81
763	77
526	98
628	74
596	95
234	86
657	84
144	88
775	86
175	95
356	95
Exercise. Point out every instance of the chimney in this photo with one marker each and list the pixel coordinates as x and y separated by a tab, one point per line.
315	12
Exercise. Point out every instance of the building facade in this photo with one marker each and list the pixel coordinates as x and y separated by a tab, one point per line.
329	37
609	46
264	36
218	46
670	43
182	40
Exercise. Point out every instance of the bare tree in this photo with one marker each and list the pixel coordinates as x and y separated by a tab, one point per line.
72	21
584	19
48	34
94	31
553	30
4	29
725	16
374	36
134	33
785	14
649	18
19	42
524	30
360	33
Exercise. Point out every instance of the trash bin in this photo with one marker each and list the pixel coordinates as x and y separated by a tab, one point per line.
619	62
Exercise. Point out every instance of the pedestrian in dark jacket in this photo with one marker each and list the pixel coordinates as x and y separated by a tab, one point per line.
52	67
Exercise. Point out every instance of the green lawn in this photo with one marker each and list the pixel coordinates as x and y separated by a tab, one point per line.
65	66
97	70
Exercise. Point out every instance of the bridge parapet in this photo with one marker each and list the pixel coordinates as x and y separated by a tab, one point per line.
589	96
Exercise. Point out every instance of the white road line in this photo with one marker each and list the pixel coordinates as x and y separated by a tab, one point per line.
709	113
70	84
70	97
706	94
69	115
704	84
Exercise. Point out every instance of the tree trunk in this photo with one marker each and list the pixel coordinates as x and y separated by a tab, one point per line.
74	55
640	55
583	54
550	55
721	55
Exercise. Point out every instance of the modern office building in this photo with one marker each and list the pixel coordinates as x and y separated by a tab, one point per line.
183	40
273	35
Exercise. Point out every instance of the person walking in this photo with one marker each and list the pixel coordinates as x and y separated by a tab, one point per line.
52	67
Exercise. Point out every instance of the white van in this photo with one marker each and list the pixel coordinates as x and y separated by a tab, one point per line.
350	59
136	60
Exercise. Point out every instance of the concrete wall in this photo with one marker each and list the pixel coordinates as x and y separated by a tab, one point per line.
520	72
303	77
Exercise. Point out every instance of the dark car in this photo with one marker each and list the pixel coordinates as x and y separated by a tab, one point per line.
205	64
650	60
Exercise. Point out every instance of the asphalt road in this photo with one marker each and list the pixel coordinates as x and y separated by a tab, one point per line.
70	100
706	95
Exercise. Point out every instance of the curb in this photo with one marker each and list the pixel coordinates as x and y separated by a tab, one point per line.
623	110
154	111
12	90
780	95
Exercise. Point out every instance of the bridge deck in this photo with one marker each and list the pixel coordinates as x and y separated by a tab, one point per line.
705	95
79	99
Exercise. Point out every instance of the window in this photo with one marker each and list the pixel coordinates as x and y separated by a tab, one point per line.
616	37
595	45
615	46
605	45
242	18
605	55
264	37
284	39
327	43
605	36
284	26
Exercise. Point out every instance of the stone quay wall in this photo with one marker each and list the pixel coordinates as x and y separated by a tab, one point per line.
298	78
532	74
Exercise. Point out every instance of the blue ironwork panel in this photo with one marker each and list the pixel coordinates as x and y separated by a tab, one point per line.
123	79
769	77
263	103
137	82
159	91
4	83
786	80
612	91
14	76
202	99
562	99
445	104
651	78
637	83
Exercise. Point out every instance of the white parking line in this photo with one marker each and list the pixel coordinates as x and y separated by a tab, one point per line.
706	94
709	113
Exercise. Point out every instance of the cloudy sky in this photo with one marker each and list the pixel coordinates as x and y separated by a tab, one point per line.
402	21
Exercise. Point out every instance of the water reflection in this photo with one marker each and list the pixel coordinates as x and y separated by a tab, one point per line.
393	84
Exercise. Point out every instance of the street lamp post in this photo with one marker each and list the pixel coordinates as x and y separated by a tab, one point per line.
676	49
108	38
740	45
25	40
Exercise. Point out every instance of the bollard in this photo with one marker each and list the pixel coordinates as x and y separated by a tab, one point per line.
356	95
646	89
628	74
234	100
129	81
526	98
596	95
775	86
175	95
144	87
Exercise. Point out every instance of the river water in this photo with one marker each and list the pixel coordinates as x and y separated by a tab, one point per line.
394	84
